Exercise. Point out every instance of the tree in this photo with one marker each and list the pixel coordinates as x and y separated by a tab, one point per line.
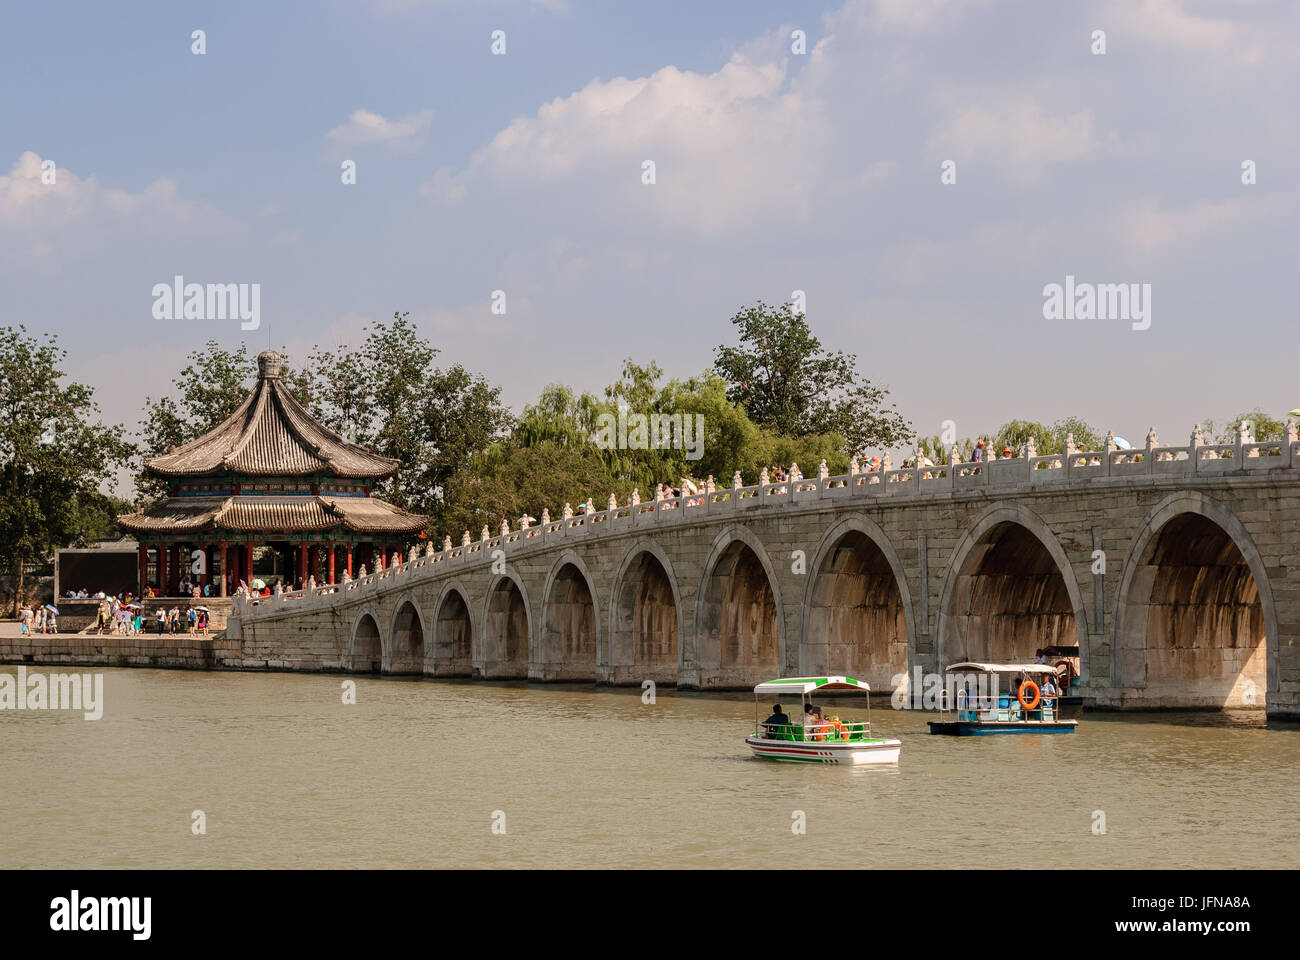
54	453
386	394
789	384
507	480
1048	440
1266	428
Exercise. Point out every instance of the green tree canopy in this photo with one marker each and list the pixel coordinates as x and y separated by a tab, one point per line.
787	382
54	453
1266	427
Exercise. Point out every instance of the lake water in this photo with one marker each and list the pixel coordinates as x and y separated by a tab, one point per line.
415	772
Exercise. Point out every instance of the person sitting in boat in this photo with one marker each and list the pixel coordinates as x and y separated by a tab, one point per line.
778	720
817	726
1049	688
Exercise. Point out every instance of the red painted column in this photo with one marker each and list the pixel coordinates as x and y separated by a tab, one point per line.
302	564
349	566
332	580
144	568
313	560
225	569
162	569
248	552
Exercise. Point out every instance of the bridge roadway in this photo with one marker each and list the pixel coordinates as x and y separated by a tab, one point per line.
1176	570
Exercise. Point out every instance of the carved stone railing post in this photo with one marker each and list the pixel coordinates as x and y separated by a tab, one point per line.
1031	451
1071	448
1153	444
1110	448
1291	439
1197	441
1245	435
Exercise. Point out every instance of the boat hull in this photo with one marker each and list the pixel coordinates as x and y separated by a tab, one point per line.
831	751
968	728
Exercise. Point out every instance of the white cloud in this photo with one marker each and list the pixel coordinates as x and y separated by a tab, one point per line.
1019	137
29	205
725	145
363	126
1168	23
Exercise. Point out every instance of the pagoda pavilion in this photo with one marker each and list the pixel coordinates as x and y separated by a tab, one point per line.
268	476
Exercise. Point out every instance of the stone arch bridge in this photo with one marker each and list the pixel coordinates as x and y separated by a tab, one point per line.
1176	571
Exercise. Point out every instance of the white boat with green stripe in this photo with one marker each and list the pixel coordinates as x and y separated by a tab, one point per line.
817	735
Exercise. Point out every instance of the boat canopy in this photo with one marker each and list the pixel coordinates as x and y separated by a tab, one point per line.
802	685
971	667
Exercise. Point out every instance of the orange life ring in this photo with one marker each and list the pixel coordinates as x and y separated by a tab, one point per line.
1020	695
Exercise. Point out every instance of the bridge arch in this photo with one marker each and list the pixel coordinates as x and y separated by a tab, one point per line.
857	606
739	620
506	640
452	650
407	631
1008	590
1195	620
570	621
365	644
646	619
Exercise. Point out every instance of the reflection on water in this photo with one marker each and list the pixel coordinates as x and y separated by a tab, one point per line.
289	776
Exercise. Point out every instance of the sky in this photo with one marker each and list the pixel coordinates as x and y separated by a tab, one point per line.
777	168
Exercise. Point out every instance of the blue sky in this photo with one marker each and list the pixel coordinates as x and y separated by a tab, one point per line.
775	172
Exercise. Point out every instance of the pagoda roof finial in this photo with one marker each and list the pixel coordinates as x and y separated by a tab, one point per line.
269	364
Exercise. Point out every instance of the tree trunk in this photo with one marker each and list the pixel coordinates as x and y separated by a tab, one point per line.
18	587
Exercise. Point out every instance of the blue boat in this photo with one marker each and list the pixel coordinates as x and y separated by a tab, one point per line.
988	710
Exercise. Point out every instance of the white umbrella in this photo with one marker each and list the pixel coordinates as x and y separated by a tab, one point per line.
52	608
257	585
1123	444
1293	413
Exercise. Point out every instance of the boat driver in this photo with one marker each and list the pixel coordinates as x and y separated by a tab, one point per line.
778	719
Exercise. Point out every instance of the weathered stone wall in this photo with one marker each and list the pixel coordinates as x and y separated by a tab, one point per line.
144	650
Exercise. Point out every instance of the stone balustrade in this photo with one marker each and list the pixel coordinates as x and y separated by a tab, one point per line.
1003	477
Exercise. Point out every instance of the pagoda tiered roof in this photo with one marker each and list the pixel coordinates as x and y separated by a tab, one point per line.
271	436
